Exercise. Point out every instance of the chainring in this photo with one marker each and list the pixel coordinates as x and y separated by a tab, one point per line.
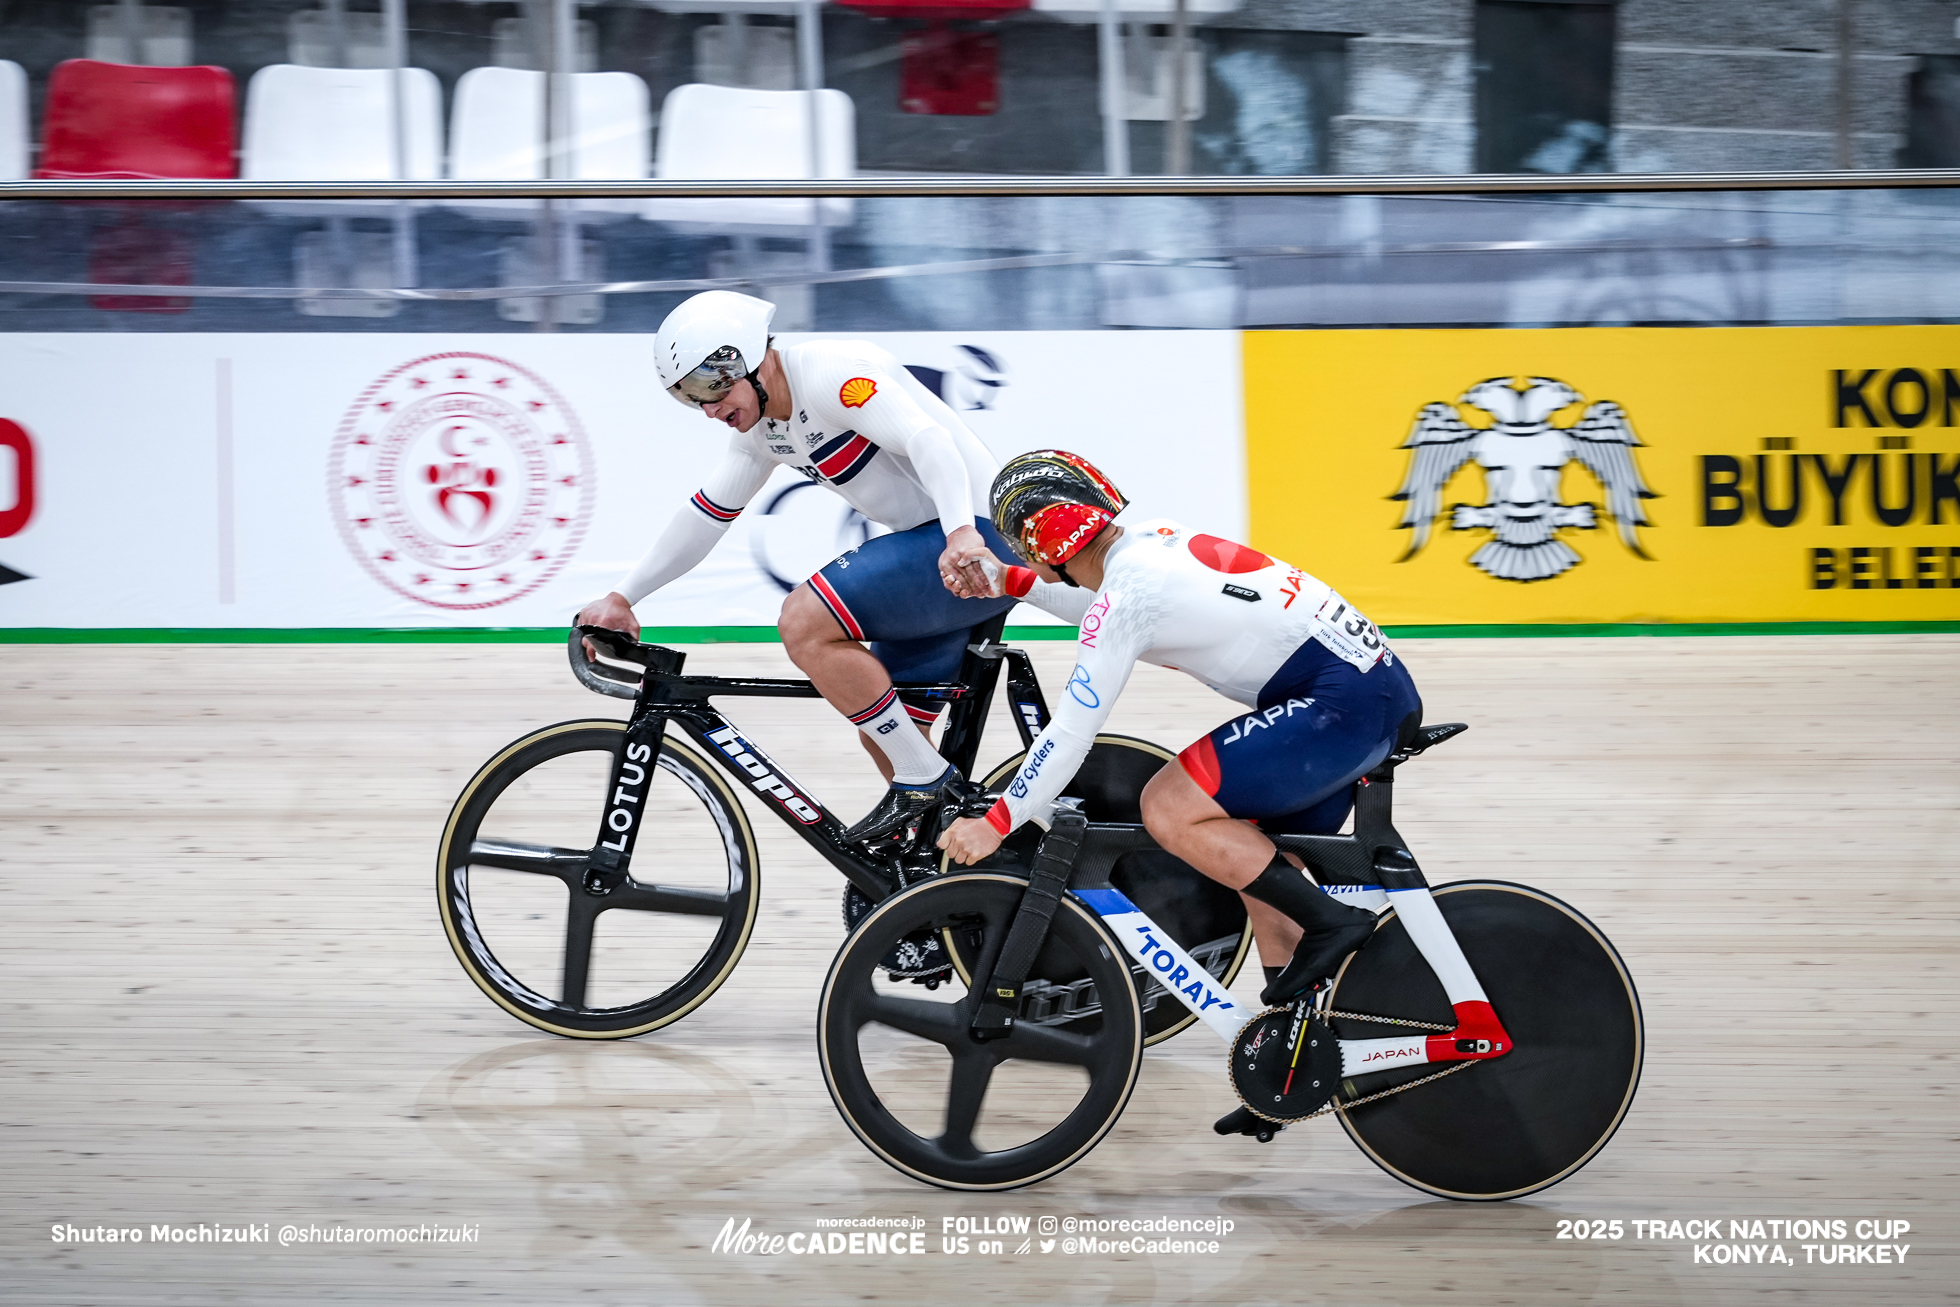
1286	1064
919	956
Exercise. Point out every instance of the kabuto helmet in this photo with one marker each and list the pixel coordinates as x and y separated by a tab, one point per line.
1050	503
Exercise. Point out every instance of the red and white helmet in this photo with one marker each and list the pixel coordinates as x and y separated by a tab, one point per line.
1050	503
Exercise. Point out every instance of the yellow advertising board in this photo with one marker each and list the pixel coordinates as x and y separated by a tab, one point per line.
1749	474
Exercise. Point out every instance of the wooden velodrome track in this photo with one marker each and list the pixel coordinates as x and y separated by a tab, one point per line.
229	1000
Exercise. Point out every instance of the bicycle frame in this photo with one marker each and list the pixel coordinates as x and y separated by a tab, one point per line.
1371	868
662	696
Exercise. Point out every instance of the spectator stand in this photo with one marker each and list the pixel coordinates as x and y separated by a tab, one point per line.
733	133
514	124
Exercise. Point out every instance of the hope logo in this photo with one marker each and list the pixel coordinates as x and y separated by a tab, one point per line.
1515	438
461	481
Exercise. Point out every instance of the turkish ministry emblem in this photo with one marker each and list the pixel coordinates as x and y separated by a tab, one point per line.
461	481
1522	452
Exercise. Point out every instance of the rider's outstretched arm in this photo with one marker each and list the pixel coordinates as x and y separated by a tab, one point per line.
882	412
1104	658
702	522
1068	602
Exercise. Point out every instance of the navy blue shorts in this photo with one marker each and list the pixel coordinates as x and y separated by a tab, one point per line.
887	592
1319	726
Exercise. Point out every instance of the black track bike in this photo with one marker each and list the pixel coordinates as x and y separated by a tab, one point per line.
599	878
1483	1044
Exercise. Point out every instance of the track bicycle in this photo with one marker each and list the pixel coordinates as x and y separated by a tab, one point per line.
1483	1044
599	879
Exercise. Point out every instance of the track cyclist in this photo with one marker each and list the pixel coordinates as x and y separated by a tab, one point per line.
1328	698
846	415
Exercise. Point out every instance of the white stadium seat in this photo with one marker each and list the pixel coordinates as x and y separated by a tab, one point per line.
497	133
15	129
337	124
715	133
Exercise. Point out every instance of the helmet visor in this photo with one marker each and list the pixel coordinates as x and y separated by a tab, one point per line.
710	381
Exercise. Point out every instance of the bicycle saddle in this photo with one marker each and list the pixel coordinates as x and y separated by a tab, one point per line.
1428	737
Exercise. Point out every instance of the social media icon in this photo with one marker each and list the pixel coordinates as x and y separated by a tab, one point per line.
1048	1225
1048	1245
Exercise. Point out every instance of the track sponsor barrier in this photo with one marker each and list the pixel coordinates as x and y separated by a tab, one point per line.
1614	475
309	482
1443	479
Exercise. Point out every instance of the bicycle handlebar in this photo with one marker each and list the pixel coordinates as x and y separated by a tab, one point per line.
598	677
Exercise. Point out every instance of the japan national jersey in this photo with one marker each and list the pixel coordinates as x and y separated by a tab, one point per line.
1228	615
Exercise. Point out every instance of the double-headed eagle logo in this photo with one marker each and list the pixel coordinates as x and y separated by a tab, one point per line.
1522	454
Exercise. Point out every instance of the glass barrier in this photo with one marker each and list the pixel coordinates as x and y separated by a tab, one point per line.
617	264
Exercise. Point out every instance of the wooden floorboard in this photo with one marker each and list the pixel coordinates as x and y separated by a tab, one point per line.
229	998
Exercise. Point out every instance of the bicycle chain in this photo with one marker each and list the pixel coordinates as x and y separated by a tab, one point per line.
1386	1021
1336	1105
1369	1098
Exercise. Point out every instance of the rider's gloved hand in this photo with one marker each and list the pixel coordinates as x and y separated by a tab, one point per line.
611	612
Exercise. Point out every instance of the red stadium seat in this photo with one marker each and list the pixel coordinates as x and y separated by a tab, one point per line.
943	70
132	120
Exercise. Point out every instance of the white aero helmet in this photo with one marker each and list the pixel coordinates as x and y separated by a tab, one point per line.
709	342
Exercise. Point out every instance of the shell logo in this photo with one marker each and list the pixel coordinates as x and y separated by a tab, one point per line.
856	391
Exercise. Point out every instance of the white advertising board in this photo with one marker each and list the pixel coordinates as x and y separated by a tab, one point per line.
409	481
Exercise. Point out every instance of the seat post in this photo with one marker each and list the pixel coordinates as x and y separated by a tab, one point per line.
1374	807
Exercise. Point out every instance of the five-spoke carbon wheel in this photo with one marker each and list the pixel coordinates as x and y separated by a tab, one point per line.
1518	1123
510	877
928	1098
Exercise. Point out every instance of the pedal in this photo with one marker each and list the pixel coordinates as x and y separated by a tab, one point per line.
1241	1121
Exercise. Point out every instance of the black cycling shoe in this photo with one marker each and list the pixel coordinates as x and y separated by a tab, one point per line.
908	805
1333	929
1317	958
1241	1121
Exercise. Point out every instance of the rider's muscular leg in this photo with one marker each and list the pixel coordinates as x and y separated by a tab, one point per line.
847	675
1189	823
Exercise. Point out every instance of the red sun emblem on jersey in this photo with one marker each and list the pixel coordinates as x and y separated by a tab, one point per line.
461	481
1227	556
854	393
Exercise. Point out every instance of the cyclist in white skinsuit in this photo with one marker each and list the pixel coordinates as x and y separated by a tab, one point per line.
1328	698
846	415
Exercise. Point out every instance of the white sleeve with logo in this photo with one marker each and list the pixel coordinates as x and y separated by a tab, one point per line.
882	412
698	526
1068	602
1117	628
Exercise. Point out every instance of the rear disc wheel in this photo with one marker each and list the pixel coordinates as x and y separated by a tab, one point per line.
1515	1124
